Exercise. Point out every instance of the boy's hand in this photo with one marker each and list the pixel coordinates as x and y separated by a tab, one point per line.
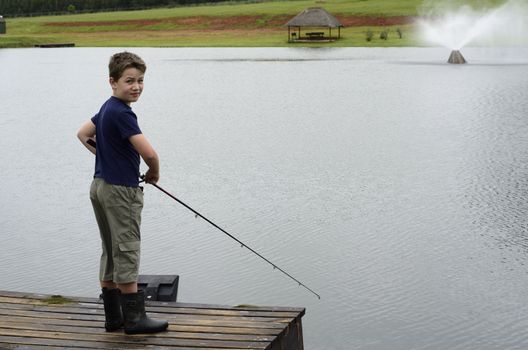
151	177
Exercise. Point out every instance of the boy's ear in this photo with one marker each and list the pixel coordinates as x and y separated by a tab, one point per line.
113	83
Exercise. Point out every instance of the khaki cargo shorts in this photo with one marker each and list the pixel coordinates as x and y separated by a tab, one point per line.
118	213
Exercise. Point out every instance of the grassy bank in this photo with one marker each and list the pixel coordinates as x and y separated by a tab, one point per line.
233	24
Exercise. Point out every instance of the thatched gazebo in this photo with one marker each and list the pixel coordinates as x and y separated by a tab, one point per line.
313	17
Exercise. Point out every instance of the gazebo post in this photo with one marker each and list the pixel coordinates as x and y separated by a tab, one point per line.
338	32
330	32
289	37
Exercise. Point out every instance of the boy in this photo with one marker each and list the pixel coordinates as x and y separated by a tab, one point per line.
116	197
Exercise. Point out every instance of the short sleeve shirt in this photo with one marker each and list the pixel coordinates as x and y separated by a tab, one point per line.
116	161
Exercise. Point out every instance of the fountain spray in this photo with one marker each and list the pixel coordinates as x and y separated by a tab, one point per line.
456	28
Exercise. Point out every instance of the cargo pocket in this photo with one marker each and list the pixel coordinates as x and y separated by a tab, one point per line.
128	264
136	206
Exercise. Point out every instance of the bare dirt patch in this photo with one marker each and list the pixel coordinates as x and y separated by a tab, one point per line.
234	22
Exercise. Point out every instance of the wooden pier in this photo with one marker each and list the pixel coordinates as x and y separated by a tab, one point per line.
55	45
45	322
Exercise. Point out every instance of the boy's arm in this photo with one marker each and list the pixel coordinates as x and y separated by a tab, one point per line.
149	155
87	133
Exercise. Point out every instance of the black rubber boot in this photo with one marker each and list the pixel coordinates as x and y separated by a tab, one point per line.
112	308
136	319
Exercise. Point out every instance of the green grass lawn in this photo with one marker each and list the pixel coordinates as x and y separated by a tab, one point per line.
232	25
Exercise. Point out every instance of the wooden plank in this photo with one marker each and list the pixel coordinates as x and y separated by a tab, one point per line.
55	45
71	309
22	323
139	339
172	320
162	303
166	307
28	343
4	346
205	329
175	308
172	327
259	327
74	309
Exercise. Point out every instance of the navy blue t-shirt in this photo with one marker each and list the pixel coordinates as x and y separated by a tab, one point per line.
116	161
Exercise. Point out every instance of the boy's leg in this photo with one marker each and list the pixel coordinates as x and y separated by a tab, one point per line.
118	213
112	308
123	206
135	318
110	293
106	263
127	288
109	284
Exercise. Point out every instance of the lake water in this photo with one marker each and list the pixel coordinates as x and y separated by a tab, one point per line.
391	183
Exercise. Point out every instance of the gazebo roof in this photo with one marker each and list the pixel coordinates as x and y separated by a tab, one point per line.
314	17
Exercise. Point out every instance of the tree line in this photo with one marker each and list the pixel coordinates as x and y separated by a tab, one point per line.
14	8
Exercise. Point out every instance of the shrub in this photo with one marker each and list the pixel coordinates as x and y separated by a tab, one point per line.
369	34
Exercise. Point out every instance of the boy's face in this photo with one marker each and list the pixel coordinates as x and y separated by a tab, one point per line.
129	87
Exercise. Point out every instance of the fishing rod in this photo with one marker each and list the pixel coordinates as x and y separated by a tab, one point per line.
242	244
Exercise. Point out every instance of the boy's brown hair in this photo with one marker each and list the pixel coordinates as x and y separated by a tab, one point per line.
121	61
